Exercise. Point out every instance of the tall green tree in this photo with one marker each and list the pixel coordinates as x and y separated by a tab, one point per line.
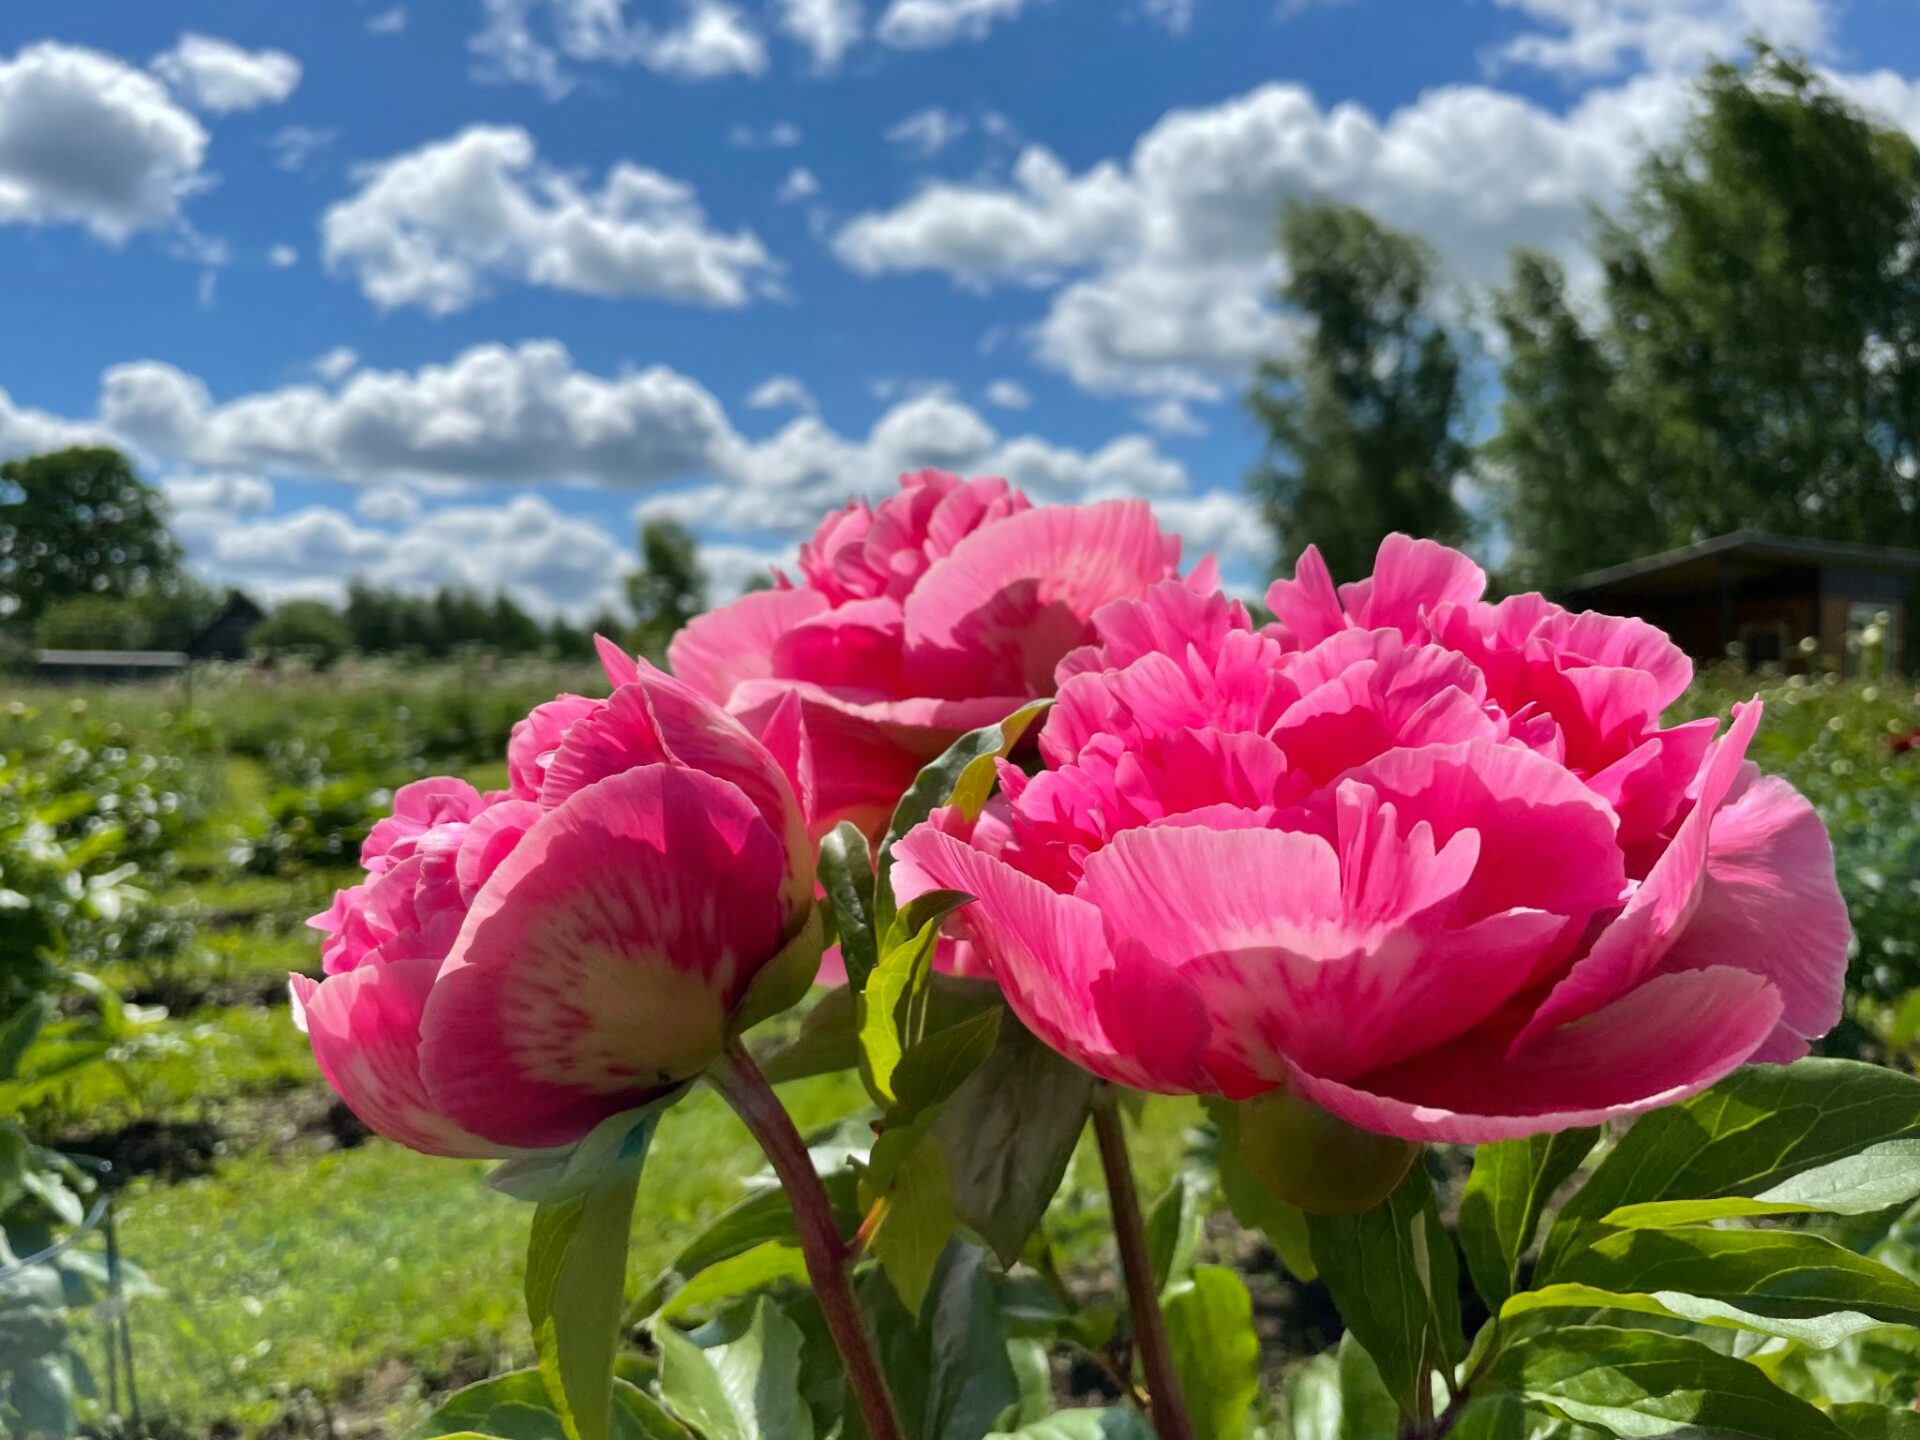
1752	359
79	522
668	589
1365	420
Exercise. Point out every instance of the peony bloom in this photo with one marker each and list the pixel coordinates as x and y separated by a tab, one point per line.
520	966
1427	862
944	608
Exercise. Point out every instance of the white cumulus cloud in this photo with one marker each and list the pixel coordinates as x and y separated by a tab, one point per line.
531	42
928	24
827	28
432	226
217	75
1593	37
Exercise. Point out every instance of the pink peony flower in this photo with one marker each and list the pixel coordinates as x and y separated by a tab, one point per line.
1427	862
944	608
519	967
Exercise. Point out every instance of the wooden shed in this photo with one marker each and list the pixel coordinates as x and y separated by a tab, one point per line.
1760	596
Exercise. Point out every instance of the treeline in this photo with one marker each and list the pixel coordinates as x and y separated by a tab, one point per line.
1739	348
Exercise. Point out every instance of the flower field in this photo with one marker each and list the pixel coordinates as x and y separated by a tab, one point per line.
304	1280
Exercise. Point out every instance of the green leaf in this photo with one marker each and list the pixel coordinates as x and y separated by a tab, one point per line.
1758	1128
895	986
576	1270
767	1216
917	1225
1009	1133
764	1265
783	982
1871	1422
963	776
1496	1417
1822	1332
1215	1349
1083	1425
745	1389
616	1147
1175	1227
1393	1274
18	1030
931	1071
1642	1383
1253	1205
1366	1409
1878	1178
846	874
515	1406
950	1371
828	1042
1505	1196
1789	1275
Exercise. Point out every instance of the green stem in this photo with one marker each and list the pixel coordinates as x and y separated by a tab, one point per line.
742	1086
1165	1403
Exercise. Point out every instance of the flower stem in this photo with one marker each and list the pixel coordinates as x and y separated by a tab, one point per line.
742	1086
1165	1402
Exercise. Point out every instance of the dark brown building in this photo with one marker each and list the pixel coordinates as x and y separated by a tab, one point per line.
1759	596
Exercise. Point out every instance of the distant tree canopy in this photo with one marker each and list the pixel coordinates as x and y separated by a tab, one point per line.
79	522
1753	357
668	589
1365	419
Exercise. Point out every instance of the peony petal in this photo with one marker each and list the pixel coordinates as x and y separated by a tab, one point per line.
534	740
1666	1040
599	965
621	668
1307	607
1772	905
489	840
719	651
856	646
1050	956
1410	577
364	1026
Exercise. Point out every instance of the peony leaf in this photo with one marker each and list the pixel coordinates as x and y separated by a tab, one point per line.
745	1389
1821	1332
1393	1274
1872	1422
950	1370
1754	1131
515	1406
1083	1425
846	874
615	1147
1504	1198
1210	1327
576	1271
757	1220
1642	1383
764	1265
1252	1204
963	776
1175	1226
917	1223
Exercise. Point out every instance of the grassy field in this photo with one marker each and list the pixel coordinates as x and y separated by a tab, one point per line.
309	1281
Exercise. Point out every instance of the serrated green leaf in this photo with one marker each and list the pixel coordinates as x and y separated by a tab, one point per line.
1504	1198
1394	1276
1755	1130
1009	1133
846	874
962	776
746	1389
576	1271
1210	1329
1640	1383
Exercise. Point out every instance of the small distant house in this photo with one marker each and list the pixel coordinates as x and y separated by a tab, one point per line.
1759	596
222	638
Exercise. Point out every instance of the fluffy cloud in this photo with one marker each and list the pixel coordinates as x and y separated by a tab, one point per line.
430	226
711	40
927	24
928	132
781	392
828	28
25	431
217	75
1164	262
1009	395
800	184
1592	37
86	138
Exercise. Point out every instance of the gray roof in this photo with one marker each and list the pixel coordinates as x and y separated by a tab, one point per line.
1755	545
117	659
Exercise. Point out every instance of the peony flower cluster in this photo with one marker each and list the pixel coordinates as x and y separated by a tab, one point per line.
519	966
1427	862
944	608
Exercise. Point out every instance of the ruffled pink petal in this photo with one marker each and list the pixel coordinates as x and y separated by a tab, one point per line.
998	613
1771	904
489	840
599	965
856	645
1411	577
1307	607
1666	1040
535	738
1139	1027
787	740
417	808
365	1029
1648	786
719	651
1630	948
621	668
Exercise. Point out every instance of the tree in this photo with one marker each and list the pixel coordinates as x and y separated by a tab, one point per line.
667	590
309	629
1753	357
79	522
1365	419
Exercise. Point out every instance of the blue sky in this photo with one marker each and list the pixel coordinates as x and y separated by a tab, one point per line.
457	292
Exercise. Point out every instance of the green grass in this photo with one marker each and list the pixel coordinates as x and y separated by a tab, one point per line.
289	1273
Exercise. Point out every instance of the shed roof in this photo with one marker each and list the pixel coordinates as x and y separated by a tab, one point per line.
1744	552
